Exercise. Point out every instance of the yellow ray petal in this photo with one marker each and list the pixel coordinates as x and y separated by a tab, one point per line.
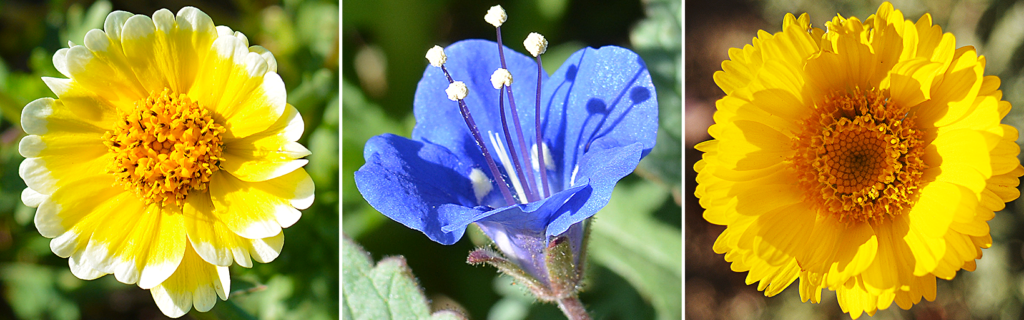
217	244
257	210
239	87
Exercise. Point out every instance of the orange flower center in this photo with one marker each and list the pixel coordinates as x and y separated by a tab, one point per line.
165	147
860	157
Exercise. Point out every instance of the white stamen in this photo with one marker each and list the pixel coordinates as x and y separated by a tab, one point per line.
572	179
481	184
457	91
549	163
535	44
436	56
495	16
507	164
501	77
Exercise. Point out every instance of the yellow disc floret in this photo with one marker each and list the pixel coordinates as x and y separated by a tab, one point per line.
164	147
860	157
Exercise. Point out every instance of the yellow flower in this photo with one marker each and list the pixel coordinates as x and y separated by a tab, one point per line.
169	154
866	160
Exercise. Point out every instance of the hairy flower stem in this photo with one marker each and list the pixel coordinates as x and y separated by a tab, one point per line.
573	308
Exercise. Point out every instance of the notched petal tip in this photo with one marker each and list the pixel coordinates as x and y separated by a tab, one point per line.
32	198
172	305
33	116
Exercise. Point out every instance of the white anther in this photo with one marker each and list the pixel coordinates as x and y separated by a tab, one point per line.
501	77
535	44
457	91
481	184
436	56
496	16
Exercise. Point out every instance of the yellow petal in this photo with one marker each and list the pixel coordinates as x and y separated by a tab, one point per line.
268	154
258	210
218	245
239	87
146	247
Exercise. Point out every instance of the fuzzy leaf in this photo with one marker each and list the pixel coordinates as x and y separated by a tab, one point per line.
383	291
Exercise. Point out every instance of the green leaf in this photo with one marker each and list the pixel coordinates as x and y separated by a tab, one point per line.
317	26
32	292
223	310
385	291
629	241
362	120
323	162
79	22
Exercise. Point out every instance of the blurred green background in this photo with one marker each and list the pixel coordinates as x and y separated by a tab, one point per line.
634	268
994	27
300	284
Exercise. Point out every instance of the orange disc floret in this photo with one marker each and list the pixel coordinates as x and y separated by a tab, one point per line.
166	146
860	156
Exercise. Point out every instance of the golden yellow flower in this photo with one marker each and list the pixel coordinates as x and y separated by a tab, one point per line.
169	154
866	160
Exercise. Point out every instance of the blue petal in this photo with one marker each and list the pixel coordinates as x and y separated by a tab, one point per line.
599	169
599	99
473	61
421	185
522	231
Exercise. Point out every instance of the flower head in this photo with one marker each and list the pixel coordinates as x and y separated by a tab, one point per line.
169	154
523	177
866	159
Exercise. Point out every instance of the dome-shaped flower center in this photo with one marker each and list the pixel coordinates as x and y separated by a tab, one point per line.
859	157
164	147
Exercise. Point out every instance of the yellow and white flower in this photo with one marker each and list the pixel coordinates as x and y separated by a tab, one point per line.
169	154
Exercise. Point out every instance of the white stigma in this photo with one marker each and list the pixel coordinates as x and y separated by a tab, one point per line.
501	77
496	16
535	44
457	91
436	56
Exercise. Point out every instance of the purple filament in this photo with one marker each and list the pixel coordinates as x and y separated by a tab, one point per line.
480	143
542	169
528	185
508	139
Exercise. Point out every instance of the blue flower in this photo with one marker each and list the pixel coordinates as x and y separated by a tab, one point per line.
599	117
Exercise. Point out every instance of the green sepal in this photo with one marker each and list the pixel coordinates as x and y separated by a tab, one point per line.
484	255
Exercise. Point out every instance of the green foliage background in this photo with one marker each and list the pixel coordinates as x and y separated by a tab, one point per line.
300	284
634	269
994	27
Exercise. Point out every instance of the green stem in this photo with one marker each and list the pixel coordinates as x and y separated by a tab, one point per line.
573	308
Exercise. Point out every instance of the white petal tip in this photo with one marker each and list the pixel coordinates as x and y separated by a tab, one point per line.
31	198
